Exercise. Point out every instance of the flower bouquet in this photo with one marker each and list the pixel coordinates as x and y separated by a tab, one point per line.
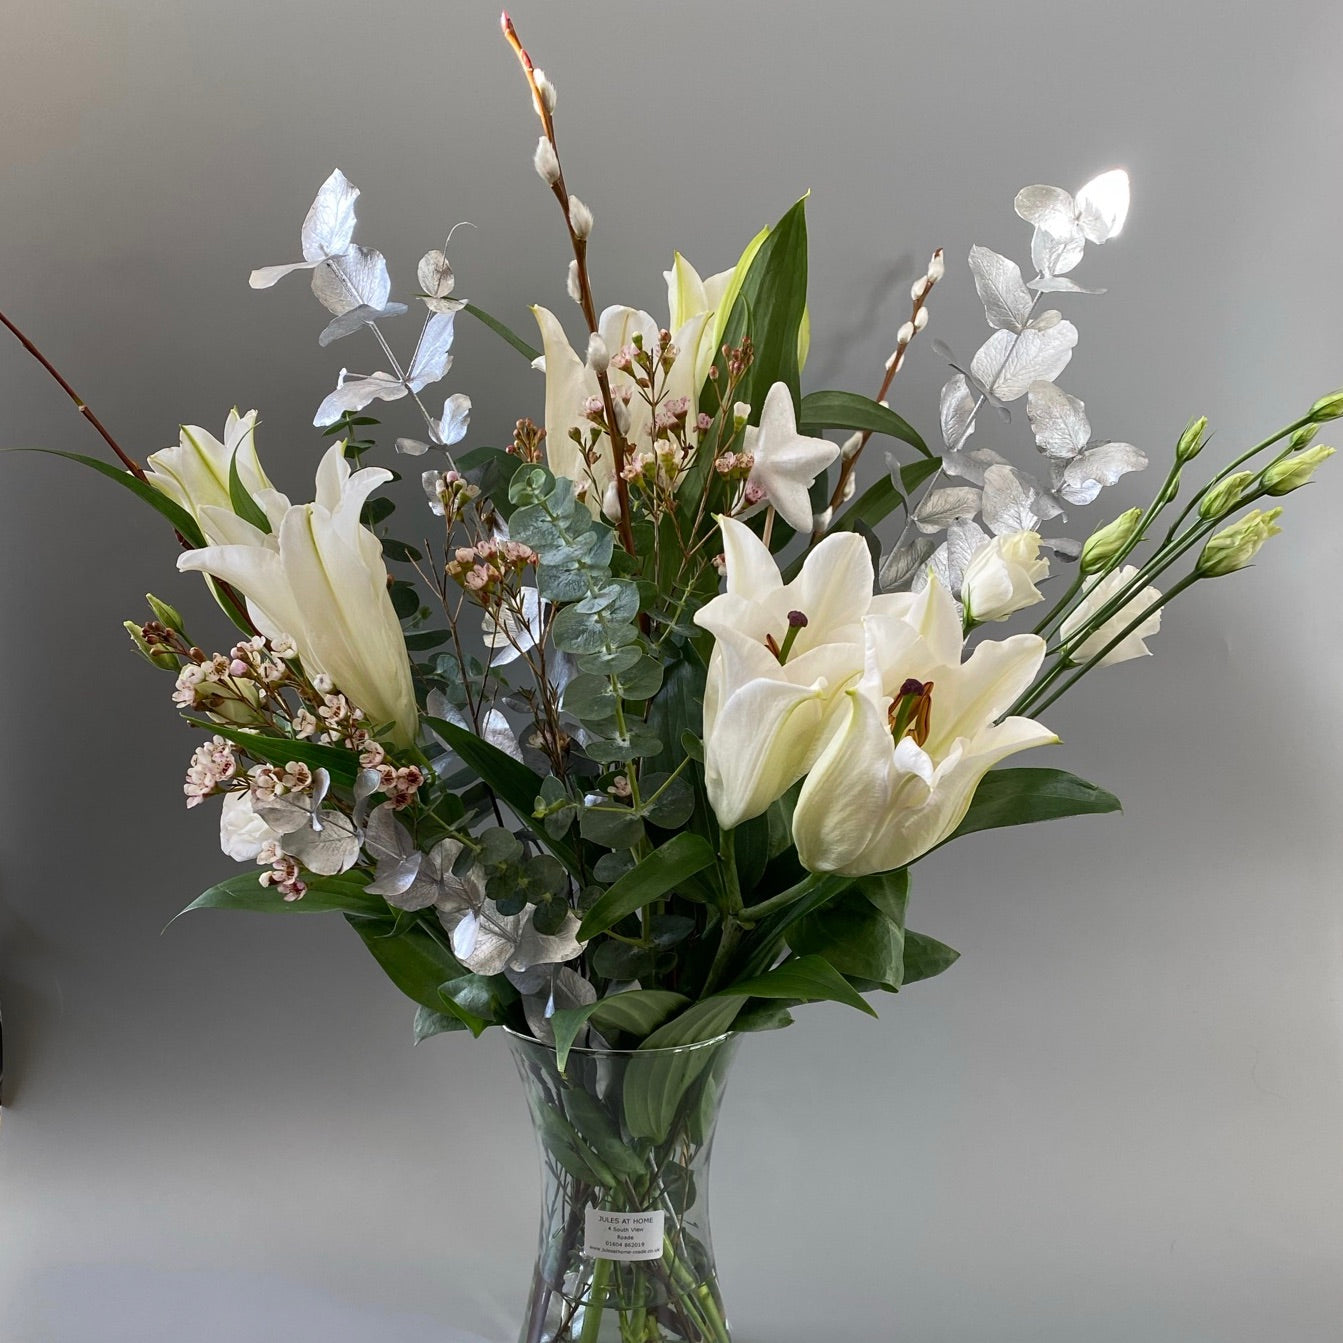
635	756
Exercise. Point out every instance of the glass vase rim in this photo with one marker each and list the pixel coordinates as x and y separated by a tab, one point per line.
587	1050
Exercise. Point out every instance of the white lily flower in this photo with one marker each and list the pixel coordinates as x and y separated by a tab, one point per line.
921	731
195	473
782	658
318	576
786	462
1001	576
1098	594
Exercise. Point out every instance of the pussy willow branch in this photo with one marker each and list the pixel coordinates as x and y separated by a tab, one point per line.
893	366
619	447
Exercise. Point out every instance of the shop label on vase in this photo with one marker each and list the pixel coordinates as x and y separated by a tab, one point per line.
624	1236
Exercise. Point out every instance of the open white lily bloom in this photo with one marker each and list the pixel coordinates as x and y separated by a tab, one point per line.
783	656
1001	576
921	731
319	577
786	462
1095	596
195	473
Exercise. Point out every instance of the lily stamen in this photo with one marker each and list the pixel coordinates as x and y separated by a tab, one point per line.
912	710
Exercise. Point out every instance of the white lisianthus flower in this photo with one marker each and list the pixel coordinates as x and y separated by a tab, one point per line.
1001	577
783	656
1095	595
242	833
318	577
920	732
786	462
195	473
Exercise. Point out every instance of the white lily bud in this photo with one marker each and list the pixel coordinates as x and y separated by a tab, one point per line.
850	447
580	218
937	268
850	488
546	161
571	283
905	334
920	319
599	357
546	89
822	520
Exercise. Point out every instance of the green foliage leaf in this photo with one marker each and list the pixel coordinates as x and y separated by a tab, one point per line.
504	332
809	979
636	1012
241	502
429	1022
850	410
855	937
343	894
926	957
1024	796
681	856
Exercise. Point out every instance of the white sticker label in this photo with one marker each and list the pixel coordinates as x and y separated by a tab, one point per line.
625	1236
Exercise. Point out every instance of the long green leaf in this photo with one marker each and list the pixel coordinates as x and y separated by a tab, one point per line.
242	503
770	306
854	936
810	979
509	779
181	520
345	894
528	352
851	410
926	957
343	766
637	1011
661	871
1024	796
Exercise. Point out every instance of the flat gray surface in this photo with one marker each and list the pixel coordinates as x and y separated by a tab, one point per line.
1119	1119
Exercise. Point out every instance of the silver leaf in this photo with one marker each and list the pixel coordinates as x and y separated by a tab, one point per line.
1058	421
957	411
1054	253
412	447
950	560
356	393
489	943
357	278
350	322
1013	502
1044	205
496	730
971	465
435	275
1060	284
432	359
548	989
942	507
1062	546
1007	302
1083	478
1007	363
1102	206
391	847
329	225
900	564
456	419
330	845
1051	317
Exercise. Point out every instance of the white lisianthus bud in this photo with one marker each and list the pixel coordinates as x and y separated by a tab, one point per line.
1224	496
546	89
580	218
1235	546
1292	472
1098	593
1107	543
905	334
546	161
1001	576
599	357
1328	407
851	446
921	319
571	283
937	267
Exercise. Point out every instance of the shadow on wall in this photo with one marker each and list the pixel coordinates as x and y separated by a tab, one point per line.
30	1001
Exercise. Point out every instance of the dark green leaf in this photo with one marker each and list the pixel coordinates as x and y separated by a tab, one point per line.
850	410
503	332
241	502
1023	796
342	765
854	936
926	957
345	894
424	639
660	872
636	1012
429	1022
416	962
888	891
809	979
399	551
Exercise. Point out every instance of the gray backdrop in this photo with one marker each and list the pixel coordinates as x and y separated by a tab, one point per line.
1119	1117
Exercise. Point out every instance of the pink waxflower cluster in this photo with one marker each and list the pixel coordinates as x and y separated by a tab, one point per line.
284	875
271	781
401	785
484	567
212	763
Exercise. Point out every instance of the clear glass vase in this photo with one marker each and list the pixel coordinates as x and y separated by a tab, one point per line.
625	1254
